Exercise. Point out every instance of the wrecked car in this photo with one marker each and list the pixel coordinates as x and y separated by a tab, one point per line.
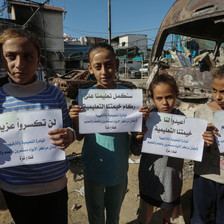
129	72
188	45
71	82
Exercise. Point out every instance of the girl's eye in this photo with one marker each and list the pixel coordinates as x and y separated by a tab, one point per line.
29	57
109	65
10	56
97	67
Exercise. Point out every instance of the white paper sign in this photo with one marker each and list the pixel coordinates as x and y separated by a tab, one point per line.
24	137
218	121
175	136
110	110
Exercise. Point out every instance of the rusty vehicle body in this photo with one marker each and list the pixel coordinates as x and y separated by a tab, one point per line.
201	20
71	82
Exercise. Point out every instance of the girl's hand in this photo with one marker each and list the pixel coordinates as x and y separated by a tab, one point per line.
213	129
208	138
208	135
61	137
74	114
145	112
74	111
140	135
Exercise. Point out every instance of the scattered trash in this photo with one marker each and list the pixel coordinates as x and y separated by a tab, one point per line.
81	191
73	156
12	222
76	207
132	161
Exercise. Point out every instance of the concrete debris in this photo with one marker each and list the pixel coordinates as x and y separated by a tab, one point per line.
132	161
81	191
76	207
72	156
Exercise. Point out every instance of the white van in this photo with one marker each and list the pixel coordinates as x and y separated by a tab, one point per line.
144	69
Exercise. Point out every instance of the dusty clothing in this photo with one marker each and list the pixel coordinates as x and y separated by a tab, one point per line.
100	198
160	178
105	164
105	156
36	179
208	182
206	193
212	165
52	207
172	215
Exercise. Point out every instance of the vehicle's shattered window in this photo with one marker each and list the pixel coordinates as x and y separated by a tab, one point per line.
183	51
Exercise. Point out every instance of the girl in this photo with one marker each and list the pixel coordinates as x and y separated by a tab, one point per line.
160	177
33	193
208	185
104	156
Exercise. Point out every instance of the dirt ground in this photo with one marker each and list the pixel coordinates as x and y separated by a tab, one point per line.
76	205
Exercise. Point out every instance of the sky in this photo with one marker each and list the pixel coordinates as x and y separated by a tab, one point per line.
90	17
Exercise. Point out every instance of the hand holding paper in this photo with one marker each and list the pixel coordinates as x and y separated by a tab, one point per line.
61	137
24	138
175	135
110	110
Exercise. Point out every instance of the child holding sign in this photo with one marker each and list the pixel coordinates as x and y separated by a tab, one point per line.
34	193
104	155
208	185
160	177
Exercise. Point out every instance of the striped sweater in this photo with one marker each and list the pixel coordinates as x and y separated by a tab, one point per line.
35	96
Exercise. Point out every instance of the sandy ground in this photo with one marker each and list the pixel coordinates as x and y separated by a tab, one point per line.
76	205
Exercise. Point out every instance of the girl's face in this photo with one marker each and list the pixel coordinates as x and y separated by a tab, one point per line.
103	65
218	91
164	97
20	58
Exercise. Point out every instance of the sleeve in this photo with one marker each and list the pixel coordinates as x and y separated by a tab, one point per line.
197	113
135	146
202	112
67	121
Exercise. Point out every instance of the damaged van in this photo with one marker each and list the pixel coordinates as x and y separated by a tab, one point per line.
189	43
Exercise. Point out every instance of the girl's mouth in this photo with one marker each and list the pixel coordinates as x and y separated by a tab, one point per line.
220	102
105	78
19	73
165	110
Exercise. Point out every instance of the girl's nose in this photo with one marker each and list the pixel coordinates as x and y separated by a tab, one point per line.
104	70
19	62
218	96
164	101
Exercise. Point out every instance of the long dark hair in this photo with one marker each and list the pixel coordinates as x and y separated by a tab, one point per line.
163	78
101	45
218	73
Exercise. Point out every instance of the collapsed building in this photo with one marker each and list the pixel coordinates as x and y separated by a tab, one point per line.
40	19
